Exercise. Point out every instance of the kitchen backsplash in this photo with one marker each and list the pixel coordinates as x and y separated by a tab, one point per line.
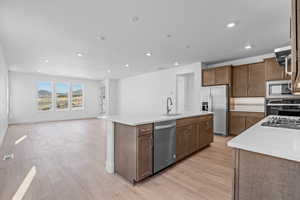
247	104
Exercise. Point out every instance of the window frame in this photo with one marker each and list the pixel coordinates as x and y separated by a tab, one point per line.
52	96
83	97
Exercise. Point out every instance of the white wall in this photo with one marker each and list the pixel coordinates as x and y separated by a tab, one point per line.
23	101
3	96
146	93
111	90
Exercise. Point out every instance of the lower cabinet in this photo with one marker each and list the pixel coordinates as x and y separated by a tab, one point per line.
192	134
240	121
133	151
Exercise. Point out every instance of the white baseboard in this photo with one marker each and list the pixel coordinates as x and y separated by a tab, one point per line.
109	167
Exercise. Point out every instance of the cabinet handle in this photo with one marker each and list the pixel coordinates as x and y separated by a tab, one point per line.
287	64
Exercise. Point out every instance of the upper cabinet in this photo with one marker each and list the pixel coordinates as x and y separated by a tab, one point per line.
256	80
216	76
249	80
274	71
240	81
295	42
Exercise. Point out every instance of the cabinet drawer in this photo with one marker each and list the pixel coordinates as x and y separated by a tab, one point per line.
193	120
145	129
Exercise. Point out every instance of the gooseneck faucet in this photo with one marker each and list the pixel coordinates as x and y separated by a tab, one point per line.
169	103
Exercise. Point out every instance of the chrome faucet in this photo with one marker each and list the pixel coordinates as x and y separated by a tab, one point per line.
169	99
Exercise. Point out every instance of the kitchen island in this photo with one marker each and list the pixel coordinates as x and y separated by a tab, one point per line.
267	163
130	141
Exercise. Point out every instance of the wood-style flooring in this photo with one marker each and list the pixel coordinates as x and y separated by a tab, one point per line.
69	158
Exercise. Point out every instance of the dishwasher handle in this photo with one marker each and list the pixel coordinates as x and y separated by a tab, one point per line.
164	126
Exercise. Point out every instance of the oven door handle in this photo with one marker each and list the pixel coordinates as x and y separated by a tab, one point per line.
282	104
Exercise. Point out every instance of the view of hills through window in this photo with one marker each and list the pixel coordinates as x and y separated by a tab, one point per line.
62	96
44	96
77	96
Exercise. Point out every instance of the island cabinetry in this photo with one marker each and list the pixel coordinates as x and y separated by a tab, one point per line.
134	151
192	134
258	176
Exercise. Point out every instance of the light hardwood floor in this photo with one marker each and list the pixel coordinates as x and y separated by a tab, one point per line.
69	157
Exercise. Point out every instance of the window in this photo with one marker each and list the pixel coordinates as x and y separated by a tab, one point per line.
77	96
44	96
62	96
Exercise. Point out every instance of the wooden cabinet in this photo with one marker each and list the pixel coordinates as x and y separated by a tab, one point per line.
249	80
295	43
145	152
240	81
183	140
259	176
240	121
208	77
205	133
274	71
216	76
256	80
193	134
133	151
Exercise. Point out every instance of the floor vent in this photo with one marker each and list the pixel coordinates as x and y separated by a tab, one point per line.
8	157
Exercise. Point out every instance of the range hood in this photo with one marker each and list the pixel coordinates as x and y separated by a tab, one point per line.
281	54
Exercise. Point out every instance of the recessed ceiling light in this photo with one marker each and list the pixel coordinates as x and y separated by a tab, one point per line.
127	65
108	71
231	25
176	63
135	19
79	54
148	54
168	35
101	37
248	46
46	61
187	46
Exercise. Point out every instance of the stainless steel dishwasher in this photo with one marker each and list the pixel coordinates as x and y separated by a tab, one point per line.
164	144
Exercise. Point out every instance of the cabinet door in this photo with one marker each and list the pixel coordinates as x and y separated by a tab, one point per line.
223	75
183	135
256	80
208	77
206	132
273	70
144	154
237	123
240	81
193	140
253	119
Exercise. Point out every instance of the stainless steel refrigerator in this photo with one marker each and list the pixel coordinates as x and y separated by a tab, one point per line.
218	103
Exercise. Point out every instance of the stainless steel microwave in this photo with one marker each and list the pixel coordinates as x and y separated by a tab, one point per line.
279	89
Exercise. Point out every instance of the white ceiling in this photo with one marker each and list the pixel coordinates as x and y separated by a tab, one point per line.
32	31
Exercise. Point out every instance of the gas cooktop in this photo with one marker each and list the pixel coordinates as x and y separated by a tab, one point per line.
283	122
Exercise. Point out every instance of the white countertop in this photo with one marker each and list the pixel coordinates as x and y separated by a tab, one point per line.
278	142
147	119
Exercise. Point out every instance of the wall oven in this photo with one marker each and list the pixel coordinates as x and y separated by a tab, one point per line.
279	89
283	107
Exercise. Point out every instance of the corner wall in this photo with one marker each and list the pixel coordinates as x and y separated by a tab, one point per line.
3	96
23	99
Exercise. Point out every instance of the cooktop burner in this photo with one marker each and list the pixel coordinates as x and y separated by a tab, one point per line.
283	122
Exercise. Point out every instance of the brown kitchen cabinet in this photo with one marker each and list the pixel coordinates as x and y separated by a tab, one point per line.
240	121
274	71
216	76
134	151
249	80
193	134
256	80
240	81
